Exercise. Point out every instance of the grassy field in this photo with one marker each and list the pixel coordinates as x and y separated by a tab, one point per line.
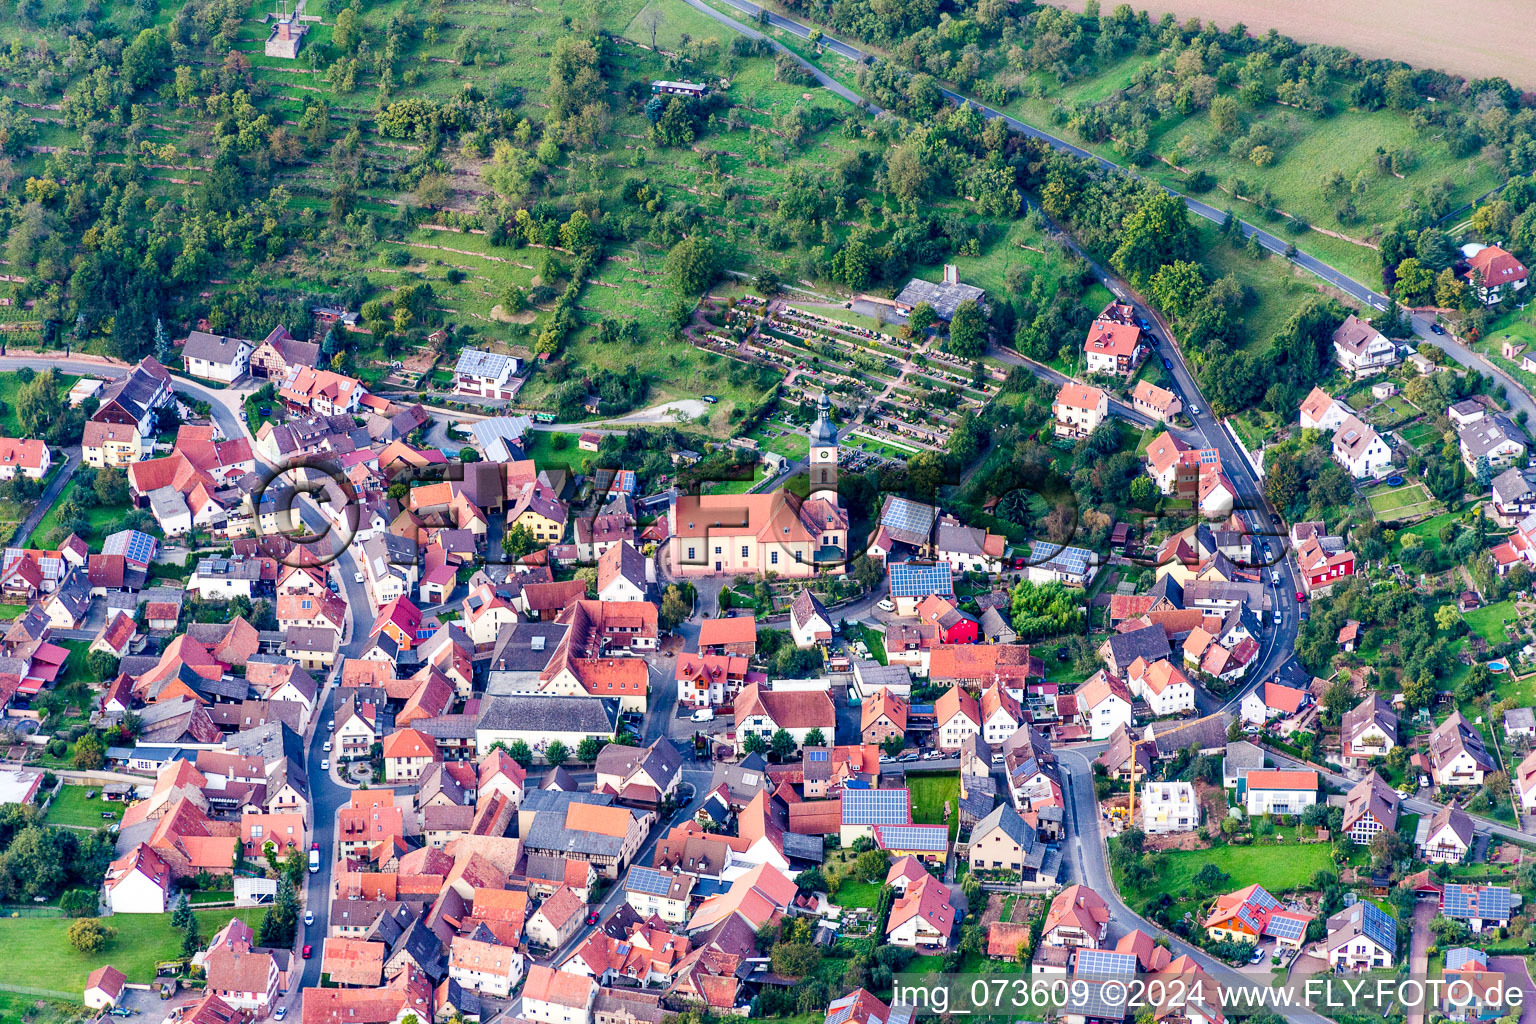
71	807
1408	499
1421	435
930	791
37	953
1488	621
853	893
1278	867
674	21
103	519
22	1009
540	447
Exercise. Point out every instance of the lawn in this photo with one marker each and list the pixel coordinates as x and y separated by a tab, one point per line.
1421	435
853	893
540	447
103	520
1404	501
37	951
674	21
873	639
1278	867
1488	621
21	1009
930	791
71	807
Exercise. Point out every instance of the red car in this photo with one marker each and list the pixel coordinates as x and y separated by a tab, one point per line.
592	917
309	951
1300	597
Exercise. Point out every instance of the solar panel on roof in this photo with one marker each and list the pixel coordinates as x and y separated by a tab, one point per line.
1377	926
913	580
904	514
649	881
1070	559
1282	926
926	838
876	807
1103	964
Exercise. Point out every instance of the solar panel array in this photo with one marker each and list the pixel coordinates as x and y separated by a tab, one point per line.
1253	911
1287	925
649	881
910	579
876	807
1488	902
1377	926
1069	559
904	514
1461	956
131	544
1104	964
924	838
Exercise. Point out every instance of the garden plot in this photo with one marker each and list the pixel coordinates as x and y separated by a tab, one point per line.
1409	500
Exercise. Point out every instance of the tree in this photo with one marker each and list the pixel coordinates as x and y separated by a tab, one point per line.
102	665
1156	232
675	607
782	744
575	76
651	19
111	486
1446	617
520	753
812	880
921	318
892	745
1209	878
344	31
192	936
182	912
588	749
795	959
280	924
90	752
517	542
754	744
871	866
79	903
39	403
556	754
693	264
1415	283
968	331
145	58
89	935
815	738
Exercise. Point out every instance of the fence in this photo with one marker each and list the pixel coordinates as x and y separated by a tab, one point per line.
32	911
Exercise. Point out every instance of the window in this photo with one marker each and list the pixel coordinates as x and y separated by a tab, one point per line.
744	550
691	555
773	558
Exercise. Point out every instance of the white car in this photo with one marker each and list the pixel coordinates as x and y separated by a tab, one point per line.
358	578
325	764
327	747
280	1013
1274	576
886	605
309	917
1194	410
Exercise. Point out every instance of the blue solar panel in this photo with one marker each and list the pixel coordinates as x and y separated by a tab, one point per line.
1461	956
904	514
925	838
1068	559
1487	903
911	579
1378	927
876	807
649	880
131	544
1104	964
1283	926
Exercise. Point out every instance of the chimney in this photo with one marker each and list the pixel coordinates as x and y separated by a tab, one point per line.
951	274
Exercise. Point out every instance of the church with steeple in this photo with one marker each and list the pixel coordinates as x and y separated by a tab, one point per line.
775	532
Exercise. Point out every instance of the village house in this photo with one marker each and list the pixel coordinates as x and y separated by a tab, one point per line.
1280	792
1078	410
214	357
1114	346
1493	272
1361	349
1321	411
1359	449
1456	755
1158	403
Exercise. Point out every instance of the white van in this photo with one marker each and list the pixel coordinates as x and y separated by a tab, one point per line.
704	715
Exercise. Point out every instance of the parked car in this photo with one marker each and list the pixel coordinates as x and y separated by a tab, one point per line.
309	918
280	1013
885	604
1258	955
1167	363
325	764
1274	576
933	755
309	951
592	917
1300	597
357	578
1436	328
327	747
913	756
